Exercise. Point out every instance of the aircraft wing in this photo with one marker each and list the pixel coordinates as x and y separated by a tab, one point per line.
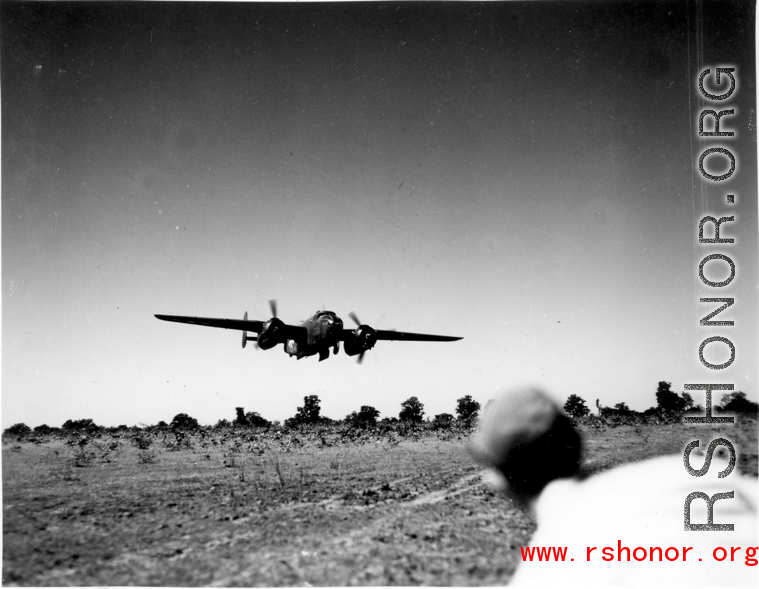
413	337
296	332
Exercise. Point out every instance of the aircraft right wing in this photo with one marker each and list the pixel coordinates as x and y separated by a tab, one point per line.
383	334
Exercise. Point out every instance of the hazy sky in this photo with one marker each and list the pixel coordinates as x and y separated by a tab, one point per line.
523	175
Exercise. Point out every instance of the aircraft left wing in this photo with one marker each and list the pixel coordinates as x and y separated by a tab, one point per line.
295	332
241	324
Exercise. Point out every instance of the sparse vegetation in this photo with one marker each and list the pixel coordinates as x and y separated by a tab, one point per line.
290	481
83	456
373	497
147	456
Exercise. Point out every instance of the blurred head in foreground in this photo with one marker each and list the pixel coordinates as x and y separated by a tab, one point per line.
528	441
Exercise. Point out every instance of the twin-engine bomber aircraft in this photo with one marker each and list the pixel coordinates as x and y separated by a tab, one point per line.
315	335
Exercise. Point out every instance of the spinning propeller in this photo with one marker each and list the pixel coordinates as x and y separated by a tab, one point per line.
245	337
363	332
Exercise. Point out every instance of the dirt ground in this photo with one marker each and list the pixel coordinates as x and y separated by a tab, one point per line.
231	508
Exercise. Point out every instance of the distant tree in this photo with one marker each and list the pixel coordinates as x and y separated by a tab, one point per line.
575	406
80	425
162	424
622	409
18	429
251	418
442	421
669	400
222	424
366	417
43	429
467	408
308	414
256	420
184	421
411	410
311	409
688	399
389	420
737	402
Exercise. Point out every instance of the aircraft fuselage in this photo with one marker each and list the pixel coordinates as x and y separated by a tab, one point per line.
324	330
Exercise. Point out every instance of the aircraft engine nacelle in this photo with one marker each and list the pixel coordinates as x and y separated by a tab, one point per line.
361	339
272	333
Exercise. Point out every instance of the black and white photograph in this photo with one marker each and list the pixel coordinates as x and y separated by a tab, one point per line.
379	293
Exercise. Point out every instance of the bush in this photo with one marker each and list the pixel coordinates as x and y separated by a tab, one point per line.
256	420
80	425
184	421
142	442
18	429
622	409
735	403
366	417
147	456
442	421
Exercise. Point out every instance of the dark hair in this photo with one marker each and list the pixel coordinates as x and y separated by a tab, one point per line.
531	464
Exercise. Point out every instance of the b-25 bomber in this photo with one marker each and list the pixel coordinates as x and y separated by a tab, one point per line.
318	334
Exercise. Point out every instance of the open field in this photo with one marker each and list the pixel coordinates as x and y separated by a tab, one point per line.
247	507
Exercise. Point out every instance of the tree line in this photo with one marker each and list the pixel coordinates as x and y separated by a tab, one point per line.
412	411
668	402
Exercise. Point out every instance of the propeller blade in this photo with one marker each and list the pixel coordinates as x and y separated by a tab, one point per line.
360	357
353	316
273	306
248	338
